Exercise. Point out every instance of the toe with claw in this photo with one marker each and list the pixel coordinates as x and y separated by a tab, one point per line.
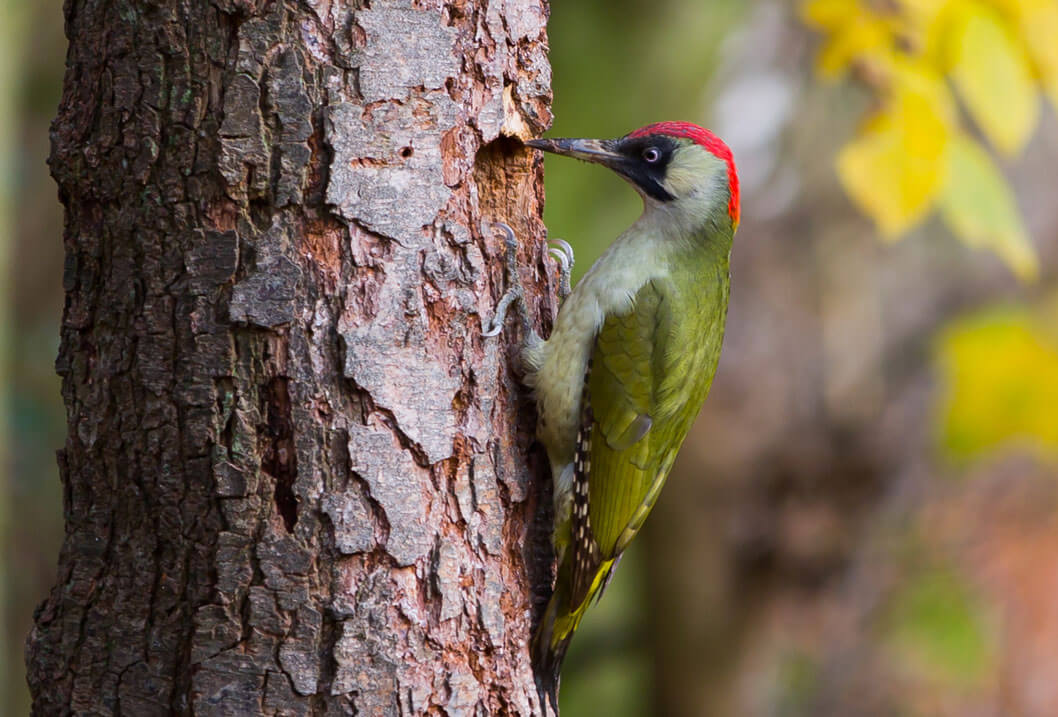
563	254
515	293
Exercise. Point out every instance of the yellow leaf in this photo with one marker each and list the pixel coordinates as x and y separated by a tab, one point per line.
924	8
1000	370
864	38
993	77
925	25
980	209
1038	24
829	14
896	168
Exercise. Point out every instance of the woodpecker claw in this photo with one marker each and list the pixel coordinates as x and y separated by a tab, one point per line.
515	293
494	327
563	254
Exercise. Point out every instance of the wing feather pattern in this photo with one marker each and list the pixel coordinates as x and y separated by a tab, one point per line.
634	419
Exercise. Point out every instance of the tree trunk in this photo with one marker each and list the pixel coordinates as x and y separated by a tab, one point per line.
295	479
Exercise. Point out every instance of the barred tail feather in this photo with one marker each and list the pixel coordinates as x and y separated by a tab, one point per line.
555	631
550	643
547	660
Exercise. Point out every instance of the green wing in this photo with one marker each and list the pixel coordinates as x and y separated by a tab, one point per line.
648	377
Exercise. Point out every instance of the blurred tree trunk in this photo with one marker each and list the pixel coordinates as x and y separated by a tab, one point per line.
695	617
295	477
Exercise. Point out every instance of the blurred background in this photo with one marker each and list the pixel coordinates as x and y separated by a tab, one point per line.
865	518
32	424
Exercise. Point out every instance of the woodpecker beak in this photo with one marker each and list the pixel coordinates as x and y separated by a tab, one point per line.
599	151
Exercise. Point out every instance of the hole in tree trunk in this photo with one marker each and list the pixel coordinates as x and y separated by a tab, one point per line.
278	458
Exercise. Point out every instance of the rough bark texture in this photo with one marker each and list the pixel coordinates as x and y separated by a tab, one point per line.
295	477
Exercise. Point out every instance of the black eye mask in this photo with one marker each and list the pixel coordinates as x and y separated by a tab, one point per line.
648	176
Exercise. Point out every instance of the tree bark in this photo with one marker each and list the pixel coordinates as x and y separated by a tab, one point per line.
295	479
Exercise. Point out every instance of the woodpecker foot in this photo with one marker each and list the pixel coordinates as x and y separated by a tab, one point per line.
563	254
515	293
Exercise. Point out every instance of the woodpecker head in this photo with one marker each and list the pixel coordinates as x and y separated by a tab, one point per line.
673	165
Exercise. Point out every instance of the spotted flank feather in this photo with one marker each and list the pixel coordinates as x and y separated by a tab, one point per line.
586	556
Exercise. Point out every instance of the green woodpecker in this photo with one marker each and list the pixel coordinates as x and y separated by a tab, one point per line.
630	360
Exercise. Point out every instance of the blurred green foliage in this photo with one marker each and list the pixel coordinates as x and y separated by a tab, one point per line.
939	629
796	684
33	301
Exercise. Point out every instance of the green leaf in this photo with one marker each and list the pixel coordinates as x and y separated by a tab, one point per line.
938	626
979	207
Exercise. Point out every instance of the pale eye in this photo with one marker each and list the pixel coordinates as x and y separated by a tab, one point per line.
651	154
